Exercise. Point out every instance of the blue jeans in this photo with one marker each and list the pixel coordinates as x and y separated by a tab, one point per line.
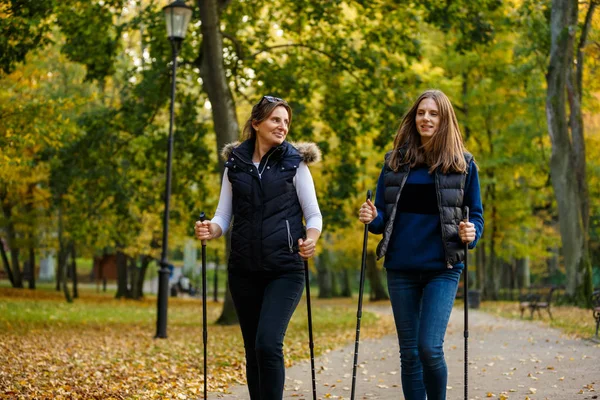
264	303
422	303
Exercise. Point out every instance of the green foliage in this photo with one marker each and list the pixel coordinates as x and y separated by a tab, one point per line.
92	37
471	23
85	120
25	25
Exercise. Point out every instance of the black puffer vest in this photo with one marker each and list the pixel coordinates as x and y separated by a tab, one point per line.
450	190
267	217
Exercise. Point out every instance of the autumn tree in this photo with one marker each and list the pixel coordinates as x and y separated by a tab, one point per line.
567	163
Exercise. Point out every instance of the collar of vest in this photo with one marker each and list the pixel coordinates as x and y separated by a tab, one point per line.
309	152
404	148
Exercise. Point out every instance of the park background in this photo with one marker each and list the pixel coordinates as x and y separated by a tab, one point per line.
84	119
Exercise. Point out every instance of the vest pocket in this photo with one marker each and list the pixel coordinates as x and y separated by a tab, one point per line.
290	238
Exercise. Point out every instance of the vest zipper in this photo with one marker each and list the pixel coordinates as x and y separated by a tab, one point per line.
290	238
438	195
264	166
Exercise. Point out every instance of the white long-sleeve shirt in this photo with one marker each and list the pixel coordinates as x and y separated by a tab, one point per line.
305	189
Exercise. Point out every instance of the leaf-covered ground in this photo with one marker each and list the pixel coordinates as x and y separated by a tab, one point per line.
102	348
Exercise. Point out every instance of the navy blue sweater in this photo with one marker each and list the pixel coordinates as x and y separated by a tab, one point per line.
416	240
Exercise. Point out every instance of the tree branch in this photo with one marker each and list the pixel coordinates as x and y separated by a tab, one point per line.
319	51
222	4
236	44
585	30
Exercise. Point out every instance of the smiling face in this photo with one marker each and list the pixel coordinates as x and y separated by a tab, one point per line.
273	130
427	119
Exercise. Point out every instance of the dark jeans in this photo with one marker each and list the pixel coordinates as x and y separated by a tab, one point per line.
264	303
422	303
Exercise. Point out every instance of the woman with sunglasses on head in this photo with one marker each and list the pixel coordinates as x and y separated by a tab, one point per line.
427	180
267	188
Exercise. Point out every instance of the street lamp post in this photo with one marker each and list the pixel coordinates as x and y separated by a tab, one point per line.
177	15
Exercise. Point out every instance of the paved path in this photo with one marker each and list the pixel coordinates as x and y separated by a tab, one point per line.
508	359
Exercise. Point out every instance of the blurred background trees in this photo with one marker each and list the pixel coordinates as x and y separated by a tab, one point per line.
84	92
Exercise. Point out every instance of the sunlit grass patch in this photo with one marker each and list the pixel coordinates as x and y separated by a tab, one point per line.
570	320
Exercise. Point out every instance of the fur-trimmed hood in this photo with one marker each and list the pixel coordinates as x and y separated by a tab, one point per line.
309	151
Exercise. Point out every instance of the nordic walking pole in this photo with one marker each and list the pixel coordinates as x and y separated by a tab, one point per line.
204	330
360	297
466	291
311	342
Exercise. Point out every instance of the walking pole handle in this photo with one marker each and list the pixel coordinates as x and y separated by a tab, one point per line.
359	312
202	219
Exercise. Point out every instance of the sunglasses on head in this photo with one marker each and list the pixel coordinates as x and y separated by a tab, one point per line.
270	99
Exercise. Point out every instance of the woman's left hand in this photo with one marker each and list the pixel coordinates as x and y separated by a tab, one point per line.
307	248
466	232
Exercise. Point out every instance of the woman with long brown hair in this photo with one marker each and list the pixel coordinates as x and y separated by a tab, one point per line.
427	180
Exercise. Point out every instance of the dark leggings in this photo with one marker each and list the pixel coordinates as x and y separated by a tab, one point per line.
264	304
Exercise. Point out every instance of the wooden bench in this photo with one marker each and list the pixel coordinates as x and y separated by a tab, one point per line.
596	308
537	299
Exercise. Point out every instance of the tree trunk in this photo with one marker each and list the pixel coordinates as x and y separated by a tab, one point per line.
216	279
346	287
490	284
58	276
97	270
324	275
574	90
74	270
6	263
30	235
552	263
491	267
31	263
61	250
215	84
141	276
122	290
562	164
523	273
63	269
11	242
133	277
506	274
465	108
335	285
378	291
480	256
63	256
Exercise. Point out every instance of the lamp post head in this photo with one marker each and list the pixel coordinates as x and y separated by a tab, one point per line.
177	16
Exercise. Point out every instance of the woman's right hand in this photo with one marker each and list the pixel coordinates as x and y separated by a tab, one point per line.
367	212
204	230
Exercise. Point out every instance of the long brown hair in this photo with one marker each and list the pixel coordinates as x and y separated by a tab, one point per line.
445	150
261	111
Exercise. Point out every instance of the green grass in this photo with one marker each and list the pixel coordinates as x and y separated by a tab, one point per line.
31	309
570	320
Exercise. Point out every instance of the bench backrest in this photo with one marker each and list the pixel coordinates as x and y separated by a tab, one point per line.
549	295
596	299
